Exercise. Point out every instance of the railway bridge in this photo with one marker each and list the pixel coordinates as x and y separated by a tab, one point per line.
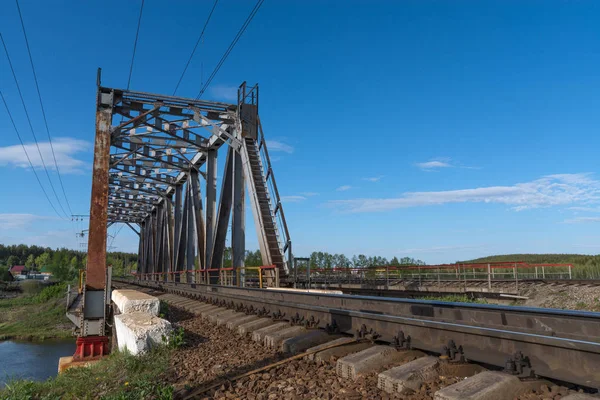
155	170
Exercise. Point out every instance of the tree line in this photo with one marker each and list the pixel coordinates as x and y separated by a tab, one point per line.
324	260
63	263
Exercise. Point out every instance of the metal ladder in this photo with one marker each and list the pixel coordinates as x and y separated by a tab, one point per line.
274	238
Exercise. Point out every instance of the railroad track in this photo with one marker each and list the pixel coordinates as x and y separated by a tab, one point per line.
560	345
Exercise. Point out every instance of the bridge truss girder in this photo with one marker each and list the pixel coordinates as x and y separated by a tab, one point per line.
147	174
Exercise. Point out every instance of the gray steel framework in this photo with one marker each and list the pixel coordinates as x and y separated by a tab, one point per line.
160	151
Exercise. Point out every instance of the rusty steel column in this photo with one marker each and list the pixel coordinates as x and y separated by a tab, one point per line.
92	341
96	261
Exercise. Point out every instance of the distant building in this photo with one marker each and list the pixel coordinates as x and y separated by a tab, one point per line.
45	271
18	270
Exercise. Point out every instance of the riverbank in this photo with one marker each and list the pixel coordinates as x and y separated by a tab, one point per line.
118	376
35	315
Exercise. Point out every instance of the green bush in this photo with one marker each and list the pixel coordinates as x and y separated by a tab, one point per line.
51	292
31	287
6	276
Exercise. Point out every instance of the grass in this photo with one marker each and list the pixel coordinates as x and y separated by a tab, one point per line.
117	377
38	315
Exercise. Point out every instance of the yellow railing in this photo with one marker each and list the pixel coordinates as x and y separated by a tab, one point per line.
81	280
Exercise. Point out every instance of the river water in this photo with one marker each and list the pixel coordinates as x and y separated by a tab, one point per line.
30	360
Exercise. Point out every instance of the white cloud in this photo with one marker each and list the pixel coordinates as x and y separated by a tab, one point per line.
309	194
438	163
374	178
431	165
19	221
343	188
275	145
579	220
224	92
64	150
435	164
551	190
293	199
586	209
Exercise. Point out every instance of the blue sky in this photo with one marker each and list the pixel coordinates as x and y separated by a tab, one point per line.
433	129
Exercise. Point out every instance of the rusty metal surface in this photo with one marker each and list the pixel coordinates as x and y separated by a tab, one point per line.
96	262
561	344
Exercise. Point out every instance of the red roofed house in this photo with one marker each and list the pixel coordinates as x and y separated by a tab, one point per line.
17	270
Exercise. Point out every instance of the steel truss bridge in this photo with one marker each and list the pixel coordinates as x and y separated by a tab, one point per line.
155	160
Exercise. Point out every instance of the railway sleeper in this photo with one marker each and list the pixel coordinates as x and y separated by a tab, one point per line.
407	369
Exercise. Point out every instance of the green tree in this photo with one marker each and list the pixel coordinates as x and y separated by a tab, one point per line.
42	260
60	267
30	263
12	261
6	276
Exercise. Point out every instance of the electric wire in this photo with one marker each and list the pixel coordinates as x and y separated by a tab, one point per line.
115	235
42	106
27	154
230	48
30	124
195	46
137	33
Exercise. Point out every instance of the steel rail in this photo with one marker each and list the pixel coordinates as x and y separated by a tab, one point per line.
561	344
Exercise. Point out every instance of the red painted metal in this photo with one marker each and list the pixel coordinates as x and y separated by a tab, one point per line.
90	348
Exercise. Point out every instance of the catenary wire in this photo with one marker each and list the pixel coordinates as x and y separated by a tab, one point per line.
230	48
30	124
195	46
42	107
27	154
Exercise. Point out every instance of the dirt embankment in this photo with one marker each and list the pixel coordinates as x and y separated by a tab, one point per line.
565	297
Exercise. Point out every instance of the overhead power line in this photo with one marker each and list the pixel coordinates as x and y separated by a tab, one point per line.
42	106
30	124
27	154
115	235
196	46
137	33
231	46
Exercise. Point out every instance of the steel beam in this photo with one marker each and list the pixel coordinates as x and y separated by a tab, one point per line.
225	201
96	263
177	227
238	227
211	202
197	217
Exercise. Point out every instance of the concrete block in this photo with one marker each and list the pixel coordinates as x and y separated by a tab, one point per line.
233	324
251	326
222	319
332	355
408	378
342	340
488	385
213	317
212	311
199	309
129	301
259	334
371	359
311	338
273	340
138	332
